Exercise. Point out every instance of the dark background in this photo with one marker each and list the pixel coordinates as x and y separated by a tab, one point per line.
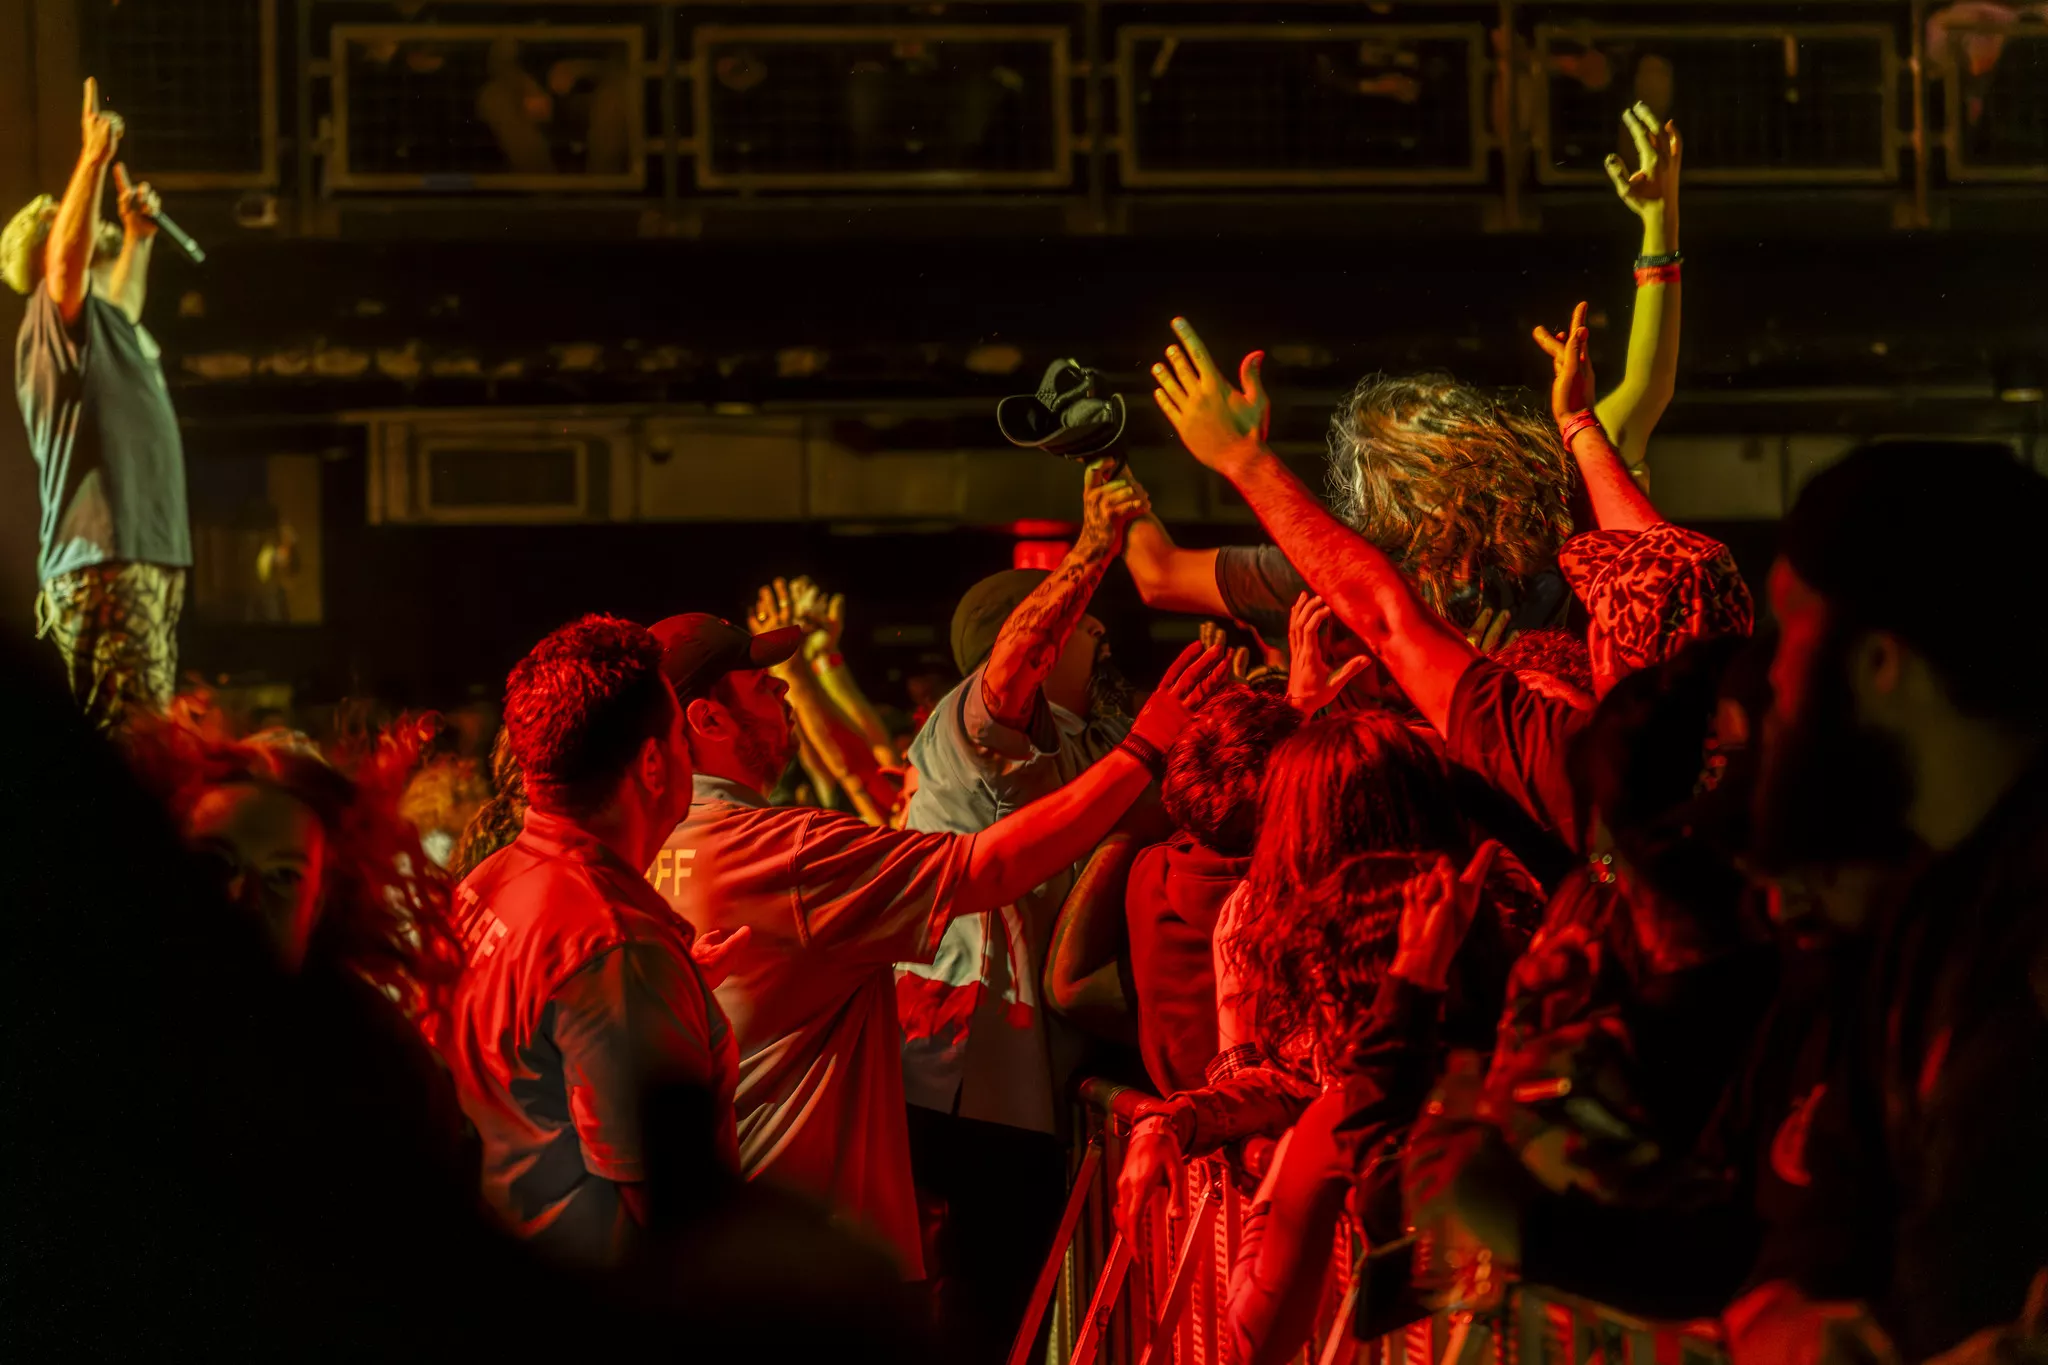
1810	307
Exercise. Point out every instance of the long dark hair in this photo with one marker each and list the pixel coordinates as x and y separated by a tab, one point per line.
384	906
1353	805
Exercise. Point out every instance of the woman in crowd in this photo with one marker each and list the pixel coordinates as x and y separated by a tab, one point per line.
1354	807
334	879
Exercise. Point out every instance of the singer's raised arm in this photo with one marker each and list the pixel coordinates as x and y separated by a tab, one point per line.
67	258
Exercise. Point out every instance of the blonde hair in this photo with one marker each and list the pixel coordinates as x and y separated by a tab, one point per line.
1471	498
26	233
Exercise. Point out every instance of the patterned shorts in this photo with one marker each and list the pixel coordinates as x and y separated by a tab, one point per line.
116	625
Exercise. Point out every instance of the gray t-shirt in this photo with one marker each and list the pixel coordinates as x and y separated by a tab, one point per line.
975	1039
104	438
1258	587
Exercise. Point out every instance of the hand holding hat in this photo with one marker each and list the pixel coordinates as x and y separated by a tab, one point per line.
1108	505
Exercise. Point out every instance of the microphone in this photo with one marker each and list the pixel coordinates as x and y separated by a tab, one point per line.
179	236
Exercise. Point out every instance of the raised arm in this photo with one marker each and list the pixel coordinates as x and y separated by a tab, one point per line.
128	282
1630	413
1619	502
1031	640
1168	577
1029	846
1226	430
67	259
825	618
837	746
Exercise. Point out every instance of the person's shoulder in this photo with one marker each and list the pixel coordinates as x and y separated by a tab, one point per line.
570	909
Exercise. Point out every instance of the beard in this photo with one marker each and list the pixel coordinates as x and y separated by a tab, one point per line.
1109	691
766	752
1830	790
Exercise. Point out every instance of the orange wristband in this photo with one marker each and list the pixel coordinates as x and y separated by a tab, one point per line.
1577	422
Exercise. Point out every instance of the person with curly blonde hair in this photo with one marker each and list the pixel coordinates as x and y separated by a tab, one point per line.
1468	493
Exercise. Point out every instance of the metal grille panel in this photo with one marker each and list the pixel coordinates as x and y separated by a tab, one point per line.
463	107
1997	89
867	108
1265	104
195	82
1811	102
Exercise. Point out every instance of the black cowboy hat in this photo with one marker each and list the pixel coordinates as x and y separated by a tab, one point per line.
1071	415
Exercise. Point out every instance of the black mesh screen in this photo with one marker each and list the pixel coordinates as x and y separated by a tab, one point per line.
1250	104
1745	104
882	105
459	108
187	76
2002	113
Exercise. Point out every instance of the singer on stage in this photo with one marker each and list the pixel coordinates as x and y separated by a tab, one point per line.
115	537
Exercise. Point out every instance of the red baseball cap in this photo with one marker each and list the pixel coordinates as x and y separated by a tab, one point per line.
697	649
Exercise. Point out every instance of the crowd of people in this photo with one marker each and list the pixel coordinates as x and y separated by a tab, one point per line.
1541	908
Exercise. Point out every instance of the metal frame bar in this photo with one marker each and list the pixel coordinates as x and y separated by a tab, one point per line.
1107	1290
340	177
1135	176
1201	1229
1959	169
1886	173
1049	1275
1059	175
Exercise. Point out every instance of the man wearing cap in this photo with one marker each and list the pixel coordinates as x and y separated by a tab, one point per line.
1037	708
580	994
822	905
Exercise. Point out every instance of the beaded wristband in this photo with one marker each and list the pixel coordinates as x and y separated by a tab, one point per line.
1569	429
1656	274
1652	262
1146	752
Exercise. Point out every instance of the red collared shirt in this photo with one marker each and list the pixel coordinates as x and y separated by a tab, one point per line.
831	903
579	995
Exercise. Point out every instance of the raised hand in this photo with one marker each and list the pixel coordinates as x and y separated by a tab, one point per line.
1213	420
773	608
1107	507
1653	186
1311	683
1490	630
102	128
824	618
1571	367
1191	680
1437	910
137	204
1209	633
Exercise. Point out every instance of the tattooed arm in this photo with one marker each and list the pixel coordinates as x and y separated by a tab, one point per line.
1226	430
1033	638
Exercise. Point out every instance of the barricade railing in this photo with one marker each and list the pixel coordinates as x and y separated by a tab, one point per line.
1159	1297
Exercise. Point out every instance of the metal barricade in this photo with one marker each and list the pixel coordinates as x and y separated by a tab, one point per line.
1160	1297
